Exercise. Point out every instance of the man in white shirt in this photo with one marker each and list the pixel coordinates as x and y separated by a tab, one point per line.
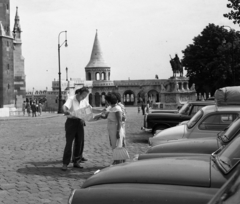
74	128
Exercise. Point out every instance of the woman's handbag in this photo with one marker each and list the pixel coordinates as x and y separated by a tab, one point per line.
120	152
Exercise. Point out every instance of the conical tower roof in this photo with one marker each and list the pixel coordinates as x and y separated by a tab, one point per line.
17	27
96	59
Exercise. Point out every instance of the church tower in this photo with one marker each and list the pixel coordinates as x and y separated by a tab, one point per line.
96	68
6	56
19	73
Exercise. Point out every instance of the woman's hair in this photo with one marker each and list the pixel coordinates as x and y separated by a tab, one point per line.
81	90
111	98
118	95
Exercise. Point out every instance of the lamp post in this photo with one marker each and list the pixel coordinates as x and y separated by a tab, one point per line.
59	71
232	63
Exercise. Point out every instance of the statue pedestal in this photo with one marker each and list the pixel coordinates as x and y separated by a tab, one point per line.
177	93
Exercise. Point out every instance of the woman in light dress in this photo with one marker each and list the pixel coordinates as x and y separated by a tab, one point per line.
114	116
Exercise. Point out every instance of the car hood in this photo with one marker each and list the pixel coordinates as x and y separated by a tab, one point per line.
198	145
173	133
187	171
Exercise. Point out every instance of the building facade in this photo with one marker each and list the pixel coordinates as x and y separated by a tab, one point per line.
6	57
168	92
12	75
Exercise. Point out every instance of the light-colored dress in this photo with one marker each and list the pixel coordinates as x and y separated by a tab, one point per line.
112	125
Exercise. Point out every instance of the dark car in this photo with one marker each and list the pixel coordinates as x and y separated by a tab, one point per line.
199	146
174	178
161	121
230	191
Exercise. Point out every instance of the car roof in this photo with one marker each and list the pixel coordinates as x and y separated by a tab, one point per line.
215	108
202	102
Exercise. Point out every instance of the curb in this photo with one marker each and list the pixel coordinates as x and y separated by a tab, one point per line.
29	117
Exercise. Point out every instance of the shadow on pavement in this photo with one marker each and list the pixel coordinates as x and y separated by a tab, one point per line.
57	172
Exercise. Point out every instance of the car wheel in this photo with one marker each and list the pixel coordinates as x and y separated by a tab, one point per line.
158	128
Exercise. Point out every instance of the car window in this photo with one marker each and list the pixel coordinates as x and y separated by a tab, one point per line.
195	109
230	155
185	109
195	119
218	121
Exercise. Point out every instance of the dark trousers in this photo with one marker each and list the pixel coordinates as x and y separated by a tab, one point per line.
74	131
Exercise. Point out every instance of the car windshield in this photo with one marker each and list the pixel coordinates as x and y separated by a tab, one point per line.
185	109
195	119
230	155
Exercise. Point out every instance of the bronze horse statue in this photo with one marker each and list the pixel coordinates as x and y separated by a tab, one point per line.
176	66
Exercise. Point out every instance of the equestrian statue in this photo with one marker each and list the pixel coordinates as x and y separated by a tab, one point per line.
176	66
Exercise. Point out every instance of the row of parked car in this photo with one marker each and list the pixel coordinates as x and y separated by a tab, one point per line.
196	161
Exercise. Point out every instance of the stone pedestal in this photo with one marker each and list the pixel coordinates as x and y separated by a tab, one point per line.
177	93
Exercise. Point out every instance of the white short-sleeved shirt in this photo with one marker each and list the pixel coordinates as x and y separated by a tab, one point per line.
72	104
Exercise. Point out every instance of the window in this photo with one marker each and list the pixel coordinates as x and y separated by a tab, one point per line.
195	119
217	122
195	109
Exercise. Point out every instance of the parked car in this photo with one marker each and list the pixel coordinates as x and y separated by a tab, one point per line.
207	122
174	178
229	192
199	146
160	121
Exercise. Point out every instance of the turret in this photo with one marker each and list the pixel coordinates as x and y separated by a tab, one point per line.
96	68
17	28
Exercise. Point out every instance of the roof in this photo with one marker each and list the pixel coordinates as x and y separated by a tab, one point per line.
203	102
210	108
96	59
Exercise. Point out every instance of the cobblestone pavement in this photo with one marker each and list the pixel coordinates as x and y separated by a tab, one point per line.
31	152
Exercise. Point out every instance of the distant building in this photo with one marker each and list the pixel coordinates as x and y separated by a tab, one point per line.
12	75
170	92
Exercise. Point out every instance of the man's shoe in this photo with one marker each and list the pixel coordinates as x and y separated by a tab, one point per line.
77	165
64	167
83	159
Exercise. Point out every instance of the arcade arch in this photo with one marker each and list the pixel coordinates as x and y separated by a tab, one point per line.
128	97
97	76
97	99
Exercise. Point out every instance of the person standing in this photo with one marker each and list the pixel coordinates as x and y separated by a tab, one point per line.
143	106
34	109
40	108
24	107
28	107
74	128
114	125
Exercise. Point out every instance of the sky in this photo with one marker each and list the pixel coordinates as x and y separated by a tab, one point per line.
137	37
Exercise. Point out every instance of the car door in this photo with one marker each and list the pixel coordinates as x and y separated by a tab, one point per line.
211	124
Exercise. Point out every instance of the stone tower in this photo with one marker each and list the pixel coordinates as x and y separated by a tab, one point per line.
7	95
19	73
96	68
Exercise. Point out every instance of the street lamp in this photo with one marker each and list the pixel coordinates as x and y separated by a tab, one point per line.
60	91
232	63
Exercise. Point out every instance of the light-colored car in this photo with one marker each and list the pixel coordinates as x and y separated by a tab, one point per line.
207	122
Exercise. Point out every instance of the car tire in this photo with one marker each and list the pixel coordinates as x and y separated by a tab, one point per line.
158	127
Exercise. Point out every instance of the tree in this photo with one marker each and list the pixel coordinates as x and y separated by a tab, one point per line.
212	60
235	12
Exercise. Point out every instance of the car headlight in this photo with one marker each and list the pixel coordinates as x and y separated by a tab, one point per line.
71	197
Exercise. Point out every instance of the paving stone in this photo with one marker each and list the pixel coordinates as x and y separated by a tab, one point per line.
31	156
